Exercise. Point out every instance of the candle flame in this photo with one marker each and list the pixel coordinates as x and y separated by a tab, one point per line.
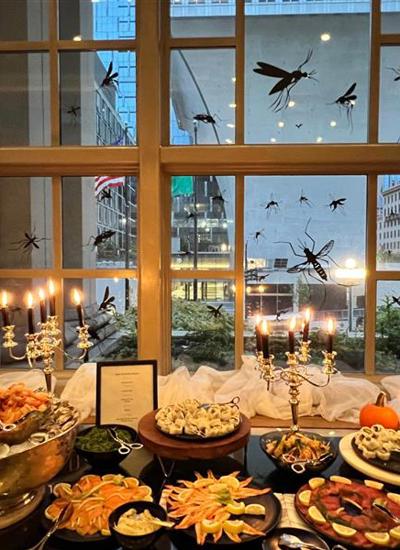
264	327
4	299
258	319
42	295
52	288
29	300
292	324
76	296
307	315
331	326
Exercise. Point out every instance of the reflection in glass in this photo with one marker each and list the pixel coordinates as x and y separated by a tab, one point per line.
96	19
388	223
110	310
311	112
98	98
24	19
305	212
203	324
24	99
387	356
99	221
202	222
389	110
26	223
202	106
202	17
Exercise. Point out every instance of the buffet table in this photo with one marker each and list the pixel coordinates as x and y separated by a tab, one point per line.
143	465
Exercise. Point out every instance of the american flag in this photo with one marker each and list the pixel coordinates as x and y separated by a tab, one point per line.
103	182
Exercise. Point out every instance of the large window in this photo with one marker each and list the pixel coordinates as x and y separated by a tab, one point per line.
187	181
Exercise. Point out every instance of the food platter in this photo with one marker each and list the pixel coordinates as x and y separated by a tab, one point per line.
219	512
199	438
345	512
359	464
378	446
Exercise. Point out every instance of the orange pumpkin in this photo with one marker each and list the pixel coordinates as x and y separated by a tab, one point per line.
379	413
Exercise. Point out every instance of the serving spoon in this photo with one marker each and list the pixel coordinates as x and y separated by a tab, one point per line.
291	541
66	513
379	504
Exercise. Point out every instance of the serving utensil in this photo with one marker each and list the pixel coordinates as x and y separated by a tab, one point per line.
124	447
66	513
299	466
379	504
291	541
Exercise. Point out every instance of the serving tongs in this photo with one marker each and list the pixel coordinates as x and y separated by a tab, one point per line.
124	447
7	427
299	466
234	401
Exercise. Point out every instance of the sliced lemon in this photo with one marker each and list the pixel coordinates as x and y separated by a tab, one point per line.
382	539
395	533
203	482
316	515
341	479
343	530
316	482
230	481
210	526
236	508
304	497
105	532
217	488
255	509
394	497
233	526
373	484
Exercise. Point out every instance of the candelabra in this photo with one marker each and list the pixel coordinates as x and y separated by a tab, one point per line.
295	373
42	345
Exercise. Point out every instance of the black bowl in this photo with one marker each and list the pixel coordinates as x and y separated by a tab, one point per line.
132	541
107	458
312	466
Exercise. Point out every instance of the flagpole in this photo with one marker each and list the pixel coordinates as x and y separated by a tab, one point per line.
126	196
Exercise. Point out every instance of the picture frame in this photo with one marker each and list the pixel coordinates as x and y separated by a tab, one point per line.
117	383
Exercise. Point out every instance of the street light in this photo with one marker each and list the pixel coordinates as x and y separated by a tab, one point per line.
350	276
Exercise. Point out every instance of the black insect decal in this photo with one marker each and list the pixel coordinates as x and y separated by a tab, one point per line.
347	102
281	312
27	243
396	72
100	238
215	312
107	303
303	200
299	125
255	274
73	111
105	194
337	203
312	260
271	206
287	82
110	78
258	234
205	117
395	300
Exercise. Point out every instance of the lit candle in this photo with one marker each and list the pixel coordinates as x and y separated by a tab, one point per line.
29	301
265	339
258	333
292	326
43	306
52	297
76	298
306	325
4	309
331	332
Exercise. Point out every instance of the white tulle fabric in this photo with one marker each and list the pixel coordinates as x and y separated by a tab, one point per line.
340	400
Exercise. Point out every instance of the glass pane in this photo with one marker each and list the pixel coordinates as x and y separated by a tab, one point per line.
388	223
202	222
325	215
26	223
387	356
326	100
17	290
99	221
390	18
389	109
203	325
202	17
24	99
98	98
24	19
96	20
110	310
202	108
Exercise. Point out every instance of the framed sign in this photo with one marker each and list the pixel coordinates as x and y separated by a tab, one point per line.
125	391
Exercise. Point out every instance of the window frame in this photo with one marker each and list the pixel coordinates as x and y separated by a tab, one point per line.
155	161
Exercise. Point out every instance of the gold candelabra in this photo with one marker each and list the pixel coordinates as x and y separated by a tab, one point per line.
295	373
42	345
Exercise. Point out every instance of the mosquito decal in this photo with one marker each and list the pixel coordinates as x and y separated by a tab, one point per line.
272	205
396	72
395	300
215	312
281	312
299	125
337	203
206	118
287	82
100	238
110	78
303	200
347	102
105	194
107	303
27	243
258	234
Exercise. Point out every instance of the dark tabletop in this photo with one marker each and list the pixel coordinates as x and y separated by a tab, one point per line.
144	465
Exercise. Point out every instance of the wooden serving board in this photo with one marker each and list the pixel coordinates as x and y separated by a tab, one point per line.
167	447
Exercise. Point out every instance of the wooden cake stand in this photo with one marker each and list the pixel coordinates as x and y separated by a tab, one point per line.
164	446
